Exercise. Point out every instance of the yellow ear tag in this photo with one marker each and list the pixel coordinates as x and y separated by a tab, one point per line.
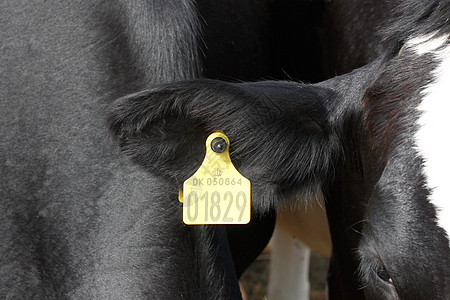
217	193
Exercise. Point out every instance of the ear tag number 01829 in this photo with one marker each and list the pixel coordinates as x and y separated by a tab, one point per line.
217	193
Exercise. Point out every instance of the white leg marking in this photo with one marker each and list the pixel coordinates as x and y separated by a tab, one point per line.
289	268
434	126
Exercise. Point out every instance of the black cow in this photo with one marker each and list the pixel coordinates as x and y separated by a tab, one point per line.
78	220
367	138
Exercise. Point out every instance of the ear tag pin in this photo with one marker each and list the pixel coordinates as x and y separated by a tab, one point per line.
217	193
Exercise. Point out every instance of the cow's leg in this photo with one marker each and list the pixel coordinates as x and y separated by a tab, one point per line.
289	267
298	230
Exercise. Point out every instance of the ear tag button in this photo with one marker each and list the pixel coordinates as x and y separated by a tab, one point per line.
217	193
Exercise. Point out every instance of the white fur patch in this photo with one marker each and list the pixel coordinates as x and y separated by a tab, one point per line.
433	136
426	43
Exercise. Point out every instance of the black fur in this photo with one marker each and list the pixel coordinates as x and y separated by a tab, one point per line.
77	218
400	232
351	134
349	33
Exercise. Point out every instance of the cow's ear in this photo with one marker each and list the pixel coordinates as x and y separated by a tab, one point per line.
280	137
165	142
164	128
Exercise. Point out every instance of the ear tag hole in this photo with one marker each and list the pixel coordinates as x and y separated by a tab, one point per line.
217	193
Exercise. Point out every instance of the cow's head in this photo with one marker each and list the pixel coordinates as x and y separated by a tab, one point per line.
290	138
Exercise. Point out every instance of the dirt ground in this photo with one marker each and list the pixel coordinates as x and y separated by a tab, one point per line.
255	278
